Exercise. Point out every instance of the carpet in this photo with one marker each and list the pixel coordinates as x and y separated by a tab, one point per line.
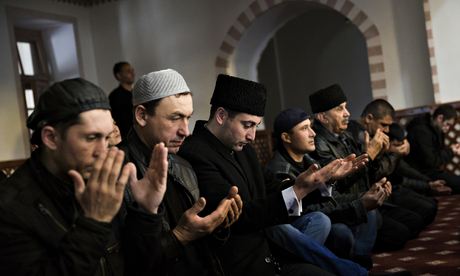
437	249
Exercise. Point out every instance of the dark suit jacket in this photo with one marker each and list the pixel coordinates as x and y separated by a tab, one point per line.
218	168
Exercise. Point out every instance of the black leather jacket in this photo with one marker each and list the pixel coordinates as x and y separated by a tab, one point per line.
43	231
171	257
350	213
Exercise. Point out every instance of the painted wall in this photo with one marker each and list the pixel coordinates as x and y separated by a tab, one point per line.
62	52
186	35
402	30
445	21
13	132
315	50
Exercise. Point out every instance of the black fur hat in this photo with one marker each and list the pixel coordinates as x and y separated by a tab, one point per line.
239	95
327	98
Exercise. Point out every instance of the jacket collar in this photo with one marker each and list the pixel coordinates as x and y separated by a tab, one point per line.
137	149
324	132
214	143
202	131
49	182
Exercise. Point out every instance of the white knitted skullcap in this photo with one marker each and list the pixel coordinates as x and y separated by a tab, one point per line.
158	85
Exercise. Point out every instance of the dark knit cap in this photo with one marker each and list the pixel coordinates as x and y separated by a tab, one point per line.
66	99
396	132
287	119
327	98
239	95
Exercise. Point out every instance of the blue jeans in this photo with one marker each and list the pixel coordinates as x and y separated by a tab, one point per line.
366	234
316	225
347	241
294	240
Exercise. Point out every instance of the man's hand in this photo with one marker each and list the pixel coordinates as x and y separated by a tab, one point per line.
101	197
192	227
350	164
402	149
436	184
375	196
380	142
236	207
373	199
149	191
456	148
313	177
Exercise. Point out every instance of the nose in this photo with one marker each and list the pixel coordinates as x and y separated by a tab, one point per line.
251	135
101	147
347	113
312	133
183	128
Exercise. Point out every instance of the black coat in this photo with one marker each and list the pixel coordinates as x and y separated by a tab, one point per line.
169	256
218	168
122	109
428	152
43	232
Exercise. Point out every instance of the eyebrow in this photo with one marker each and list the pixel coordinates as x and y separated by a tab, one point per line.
250	122
181	114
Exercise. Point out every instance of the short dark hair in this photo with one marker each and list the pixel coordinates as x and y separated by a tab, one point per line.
117	68
61	126
446	110
231	113
151	106
378	108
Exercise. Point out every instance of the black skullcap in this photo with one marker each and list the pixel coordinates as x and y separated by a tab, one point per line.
327	98
239	95
66	99
287	119
396	132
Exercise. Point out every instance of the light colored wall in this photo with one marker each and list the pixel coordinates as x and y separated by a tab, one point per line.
445	22
186	35
405	50
310	58
62	52
183	35
13	132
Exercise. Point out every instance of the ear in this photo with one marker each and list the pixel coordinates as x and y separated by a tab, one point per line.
285	137
50	137
439	118
321	117
221	115
368	118
117	76
140	115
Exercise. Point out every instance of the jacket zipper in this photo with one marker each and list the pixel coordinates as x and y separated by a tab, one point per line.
47	212
102	263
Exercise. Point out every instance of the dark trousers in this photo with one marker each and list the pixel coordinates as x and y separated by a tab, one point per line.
452	180
424	206
302	269
398	226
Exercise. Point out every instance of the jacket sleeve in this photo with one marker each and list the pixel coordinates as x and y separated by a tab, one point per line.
419	186
382	166
431	155
406	170
324	155
350	213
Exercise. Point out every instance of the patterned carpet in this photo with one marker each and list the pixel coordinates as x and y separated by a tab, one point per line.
435	252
